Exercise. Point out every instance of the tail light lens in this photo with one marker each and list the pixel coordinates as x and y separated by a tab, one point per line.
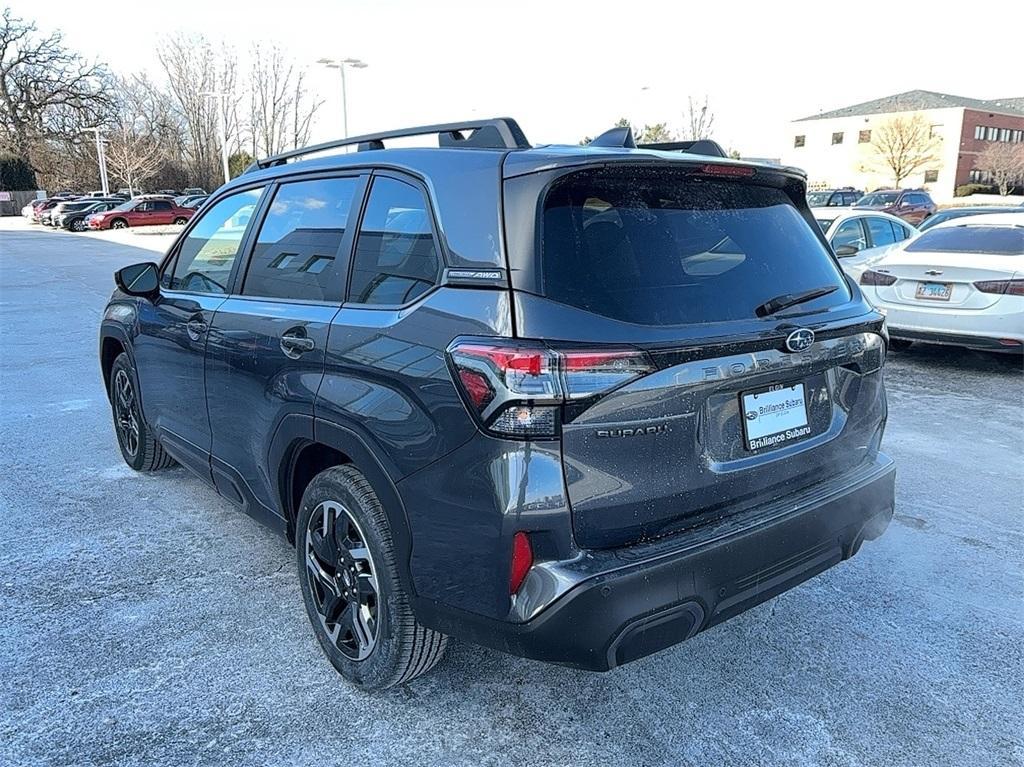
876	278
517	388
522	561
1001	287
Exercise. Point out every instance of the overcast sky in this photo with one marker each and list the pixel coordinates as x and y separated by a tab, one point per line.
566	70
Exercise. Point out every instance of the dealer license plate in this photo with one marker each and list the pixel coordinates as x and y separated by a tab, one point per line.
774	416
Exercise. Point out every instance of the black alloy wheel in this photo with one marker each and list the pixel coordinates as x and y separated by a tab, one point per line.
342	580
126	413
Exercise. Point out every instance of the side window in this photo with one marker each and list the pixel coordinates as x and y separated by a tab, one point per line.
142	207
296	253
849	234
835	200
899	231
849	198
204	260
881	232
161	205
396	257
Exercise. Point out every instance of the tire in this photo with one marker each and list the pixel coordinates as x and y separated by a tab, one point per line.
139	448
118	223
180	221
78	225
899	344
387	646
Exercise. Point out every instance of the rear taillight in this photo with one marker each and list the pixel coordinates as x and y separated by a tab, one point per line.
876	278
1001	287
522	561
517	388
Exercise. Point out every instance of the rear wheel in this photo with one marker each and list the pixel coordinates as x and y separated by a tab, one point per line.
78	225
180	221
139	448
119	223
348	573
899	344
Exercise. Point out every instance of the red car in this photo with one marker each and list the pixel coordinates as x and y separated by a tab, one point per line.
912	205
143	211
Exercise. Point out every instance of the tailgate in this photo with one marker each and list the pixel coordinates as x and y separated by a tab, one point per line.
674	448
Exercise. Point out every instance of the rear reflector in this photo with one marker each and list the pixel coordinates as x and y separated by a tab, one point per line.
522	561
876	278
1001	287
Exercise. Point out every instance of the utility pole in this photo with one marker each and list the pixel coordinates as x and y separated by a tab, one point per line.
340	65
223	128
101	158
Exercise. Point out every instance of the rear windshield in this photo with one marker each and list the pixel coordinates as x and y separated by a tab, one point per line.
879	198
667	248
998	240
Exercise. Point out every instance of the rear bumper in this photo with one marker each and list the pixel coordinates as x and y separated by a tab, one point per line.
987	343
646	598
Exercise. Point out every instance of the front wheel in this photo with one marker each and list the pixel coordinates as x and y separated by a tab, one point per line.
139	448
349	577
78	225
180	221
119	223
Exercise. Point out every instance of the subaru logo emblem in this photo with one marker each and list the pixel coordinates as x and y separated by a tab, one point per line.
751	415
800	340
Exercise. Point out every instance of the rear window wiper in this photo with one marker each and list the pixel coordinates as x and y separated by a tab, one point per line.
786	300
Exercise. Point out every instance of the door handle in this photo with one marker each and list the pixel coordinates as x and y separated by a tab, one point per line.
294	345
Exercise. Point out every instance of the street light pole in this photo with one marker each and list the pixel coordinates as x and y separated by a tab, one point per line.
223	128
340	65
101	158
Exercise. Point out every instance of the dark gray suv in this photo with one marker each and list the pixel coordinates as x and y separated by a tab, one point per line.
573	403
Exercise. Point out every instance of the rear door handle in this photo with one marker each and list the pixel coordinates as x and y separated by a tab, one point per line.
295	342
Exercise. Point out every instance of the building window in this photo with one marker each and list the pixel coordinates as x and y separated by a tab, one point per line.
799	140
991	133
931	176
1018	136
1004	134
864	137
979	132
837	138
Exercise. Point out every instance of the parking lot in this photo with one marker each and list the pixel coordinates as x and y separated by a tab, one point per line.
146	621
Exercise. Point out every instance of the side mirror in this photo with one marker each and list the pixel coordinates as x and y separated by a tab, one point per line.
138	279
847	250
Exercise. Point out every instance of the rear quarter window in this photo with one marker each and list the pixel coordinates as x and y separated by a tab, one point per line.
669	248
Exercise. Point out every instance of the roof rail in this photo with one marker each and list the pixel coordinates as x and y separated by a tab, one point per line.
700	146
488	133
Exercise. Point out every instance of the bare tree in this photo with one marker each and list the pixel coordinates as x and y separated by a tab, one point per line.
193	70
281	109
700	120
904	145
1004	163
141	133
47	92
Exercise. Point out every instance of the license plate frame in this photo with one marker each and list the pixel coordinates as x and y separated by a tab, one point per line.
775	427
922	291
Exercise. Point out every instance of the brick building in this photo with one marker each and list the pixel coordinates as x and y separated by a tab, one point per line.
835	147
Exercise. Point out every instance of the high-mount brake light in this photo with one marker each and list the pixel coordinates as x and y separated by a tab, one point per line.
727	170
517	388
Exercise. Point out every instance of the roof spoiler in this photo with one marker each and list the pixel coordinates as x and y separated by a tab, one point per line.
700	146
489	133
623	137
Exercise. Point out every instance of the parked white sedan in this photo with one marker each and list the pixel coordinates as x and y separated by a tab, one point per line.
959	283
860	237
